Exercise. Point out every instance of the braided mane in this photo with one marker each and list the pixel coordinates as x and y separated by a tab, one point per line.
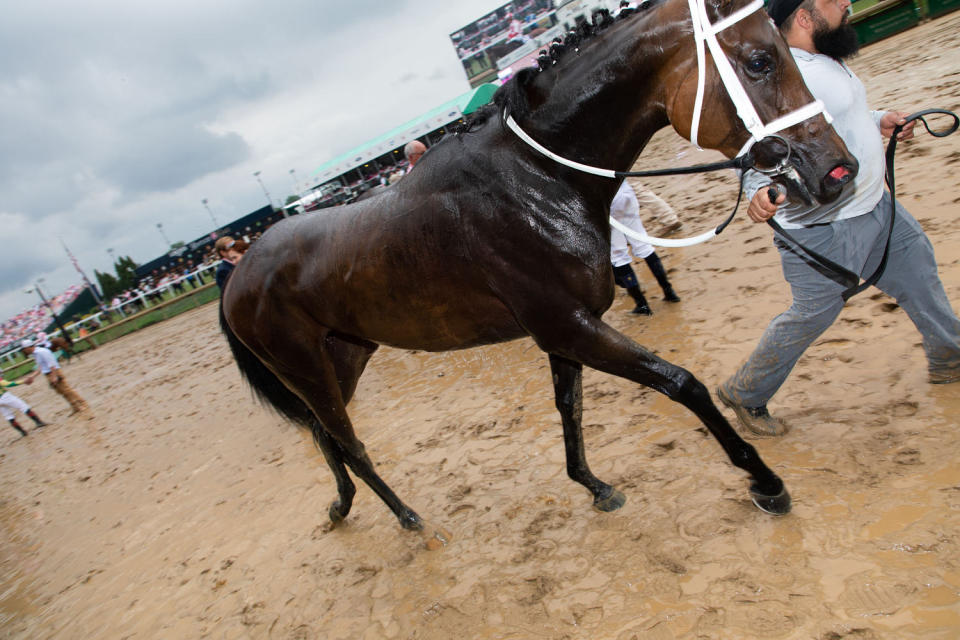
512	97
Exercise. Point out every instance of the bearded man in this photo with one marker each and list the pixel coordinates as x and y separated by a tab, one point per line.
852	231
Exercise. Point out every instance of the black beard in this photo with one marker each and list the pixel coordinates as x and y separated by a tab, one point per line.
840	43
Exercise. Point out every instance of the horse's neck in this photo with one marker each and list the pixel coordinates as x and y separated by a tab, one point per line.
600	107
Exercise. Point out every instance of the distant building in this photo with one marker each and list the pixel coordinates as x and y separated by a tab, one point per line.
510	37
350	174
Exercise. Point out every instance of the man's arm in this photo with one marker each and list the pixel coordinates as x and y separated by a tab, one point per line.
761	209
890	119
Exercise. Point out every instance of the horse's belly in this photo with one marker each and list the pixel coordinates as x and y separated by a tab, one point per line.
439	326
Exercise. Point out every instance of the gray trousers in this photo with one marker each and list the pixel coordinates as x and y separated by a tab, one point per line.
857	244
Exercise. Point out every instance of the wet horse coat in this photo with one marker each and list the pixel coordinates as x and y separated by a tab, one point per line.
489	241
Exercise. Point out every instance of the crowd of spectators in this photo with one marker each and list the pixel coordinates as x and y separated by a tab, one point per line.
35	319
149	290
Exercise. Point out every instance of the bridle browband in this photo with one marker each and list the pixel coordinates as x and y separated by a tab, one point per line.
704	32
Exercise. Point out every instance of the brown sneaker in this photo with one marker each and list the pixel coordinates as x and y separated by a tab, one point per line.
756	420
945	376
670	229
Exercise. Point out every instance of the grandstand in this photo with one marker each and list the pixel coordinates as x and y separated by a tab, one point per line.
348	175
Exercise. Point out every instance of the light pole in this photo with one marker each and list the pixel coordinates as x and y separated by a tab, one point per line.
56	320
165	239
296	185
256	174
212	217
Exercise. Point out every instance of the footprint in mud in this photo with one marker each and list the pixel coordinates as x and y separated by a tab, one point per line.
593	429
907	457
539	550
859	323
546	520
867	596
534	590
661	448
485	430
364	573
430	443
904	408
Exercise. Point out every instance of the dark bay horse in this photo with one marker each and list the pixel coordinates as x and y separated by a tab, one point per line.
488	240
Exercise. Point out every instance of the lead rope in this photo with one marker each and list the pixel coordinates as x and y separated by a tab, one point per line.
840	274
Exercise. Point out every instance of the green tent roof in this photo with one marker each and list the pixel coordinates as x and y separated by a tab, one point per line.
437	117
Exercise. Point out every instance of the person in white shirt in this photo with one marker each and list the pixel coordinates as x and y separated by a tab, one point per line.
625	209
852	231
10	404
48	366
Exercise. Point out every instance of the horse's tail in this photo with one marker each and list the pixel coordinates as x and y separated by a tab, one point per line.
266	386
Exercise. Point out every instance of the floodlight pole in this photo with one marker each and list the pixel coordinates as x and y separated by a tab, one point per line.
56	320
165	239
216	225
256	174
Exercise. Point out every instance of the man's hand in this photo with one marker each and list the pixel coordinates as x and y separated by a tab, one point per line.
891	119
761	209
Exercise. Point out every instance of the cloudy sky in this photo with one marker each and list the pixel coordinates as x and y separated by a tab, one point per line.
117	116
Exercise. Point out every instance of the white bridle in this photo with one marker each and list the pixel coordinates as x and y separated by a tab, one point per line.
703	32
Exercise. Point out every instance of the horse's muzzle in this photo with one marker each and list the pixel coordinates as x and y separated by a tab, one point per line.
832	184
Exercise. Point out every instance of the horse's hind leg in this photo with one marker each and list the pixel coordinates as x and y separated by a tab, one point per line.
334	456
315	381
568	391
349	356
588	340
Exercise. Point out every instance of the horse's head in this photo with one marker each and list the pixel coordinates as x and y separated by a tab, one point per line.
773	87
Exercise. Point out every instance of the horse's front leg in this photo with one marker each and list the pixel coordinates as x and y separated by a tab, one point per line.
586	339
568	392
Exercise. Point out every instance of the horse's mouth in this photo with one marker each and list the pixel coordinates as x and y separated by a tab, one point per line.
830	187
797	190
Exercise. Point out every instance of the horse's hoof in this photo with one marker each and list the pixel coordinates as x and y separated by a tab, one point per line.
778	505
611	503
336	517
411	521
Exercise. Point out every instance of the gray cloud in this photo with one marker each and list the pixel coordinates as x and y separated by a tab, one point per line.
119	115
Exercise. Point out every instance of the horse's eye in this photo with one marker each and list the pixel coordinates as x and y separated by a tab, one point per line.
760	63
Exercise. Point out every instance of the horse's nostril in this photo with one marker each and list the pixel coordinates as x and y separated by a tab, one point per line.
839	172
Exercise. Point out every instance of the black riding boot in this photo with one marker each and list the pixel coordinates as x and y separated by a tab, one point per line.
656	268
642	308
15	425
37	419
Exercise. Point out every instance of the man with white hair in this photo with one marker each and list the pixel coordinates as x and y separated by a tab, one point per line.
48	366
412	152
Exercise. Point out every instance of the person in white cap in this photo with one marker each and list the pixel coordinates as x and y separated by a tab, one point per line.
47	365
10	404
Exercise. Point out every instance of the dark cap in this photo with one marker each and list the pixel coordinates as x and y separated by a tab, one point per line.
780	10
